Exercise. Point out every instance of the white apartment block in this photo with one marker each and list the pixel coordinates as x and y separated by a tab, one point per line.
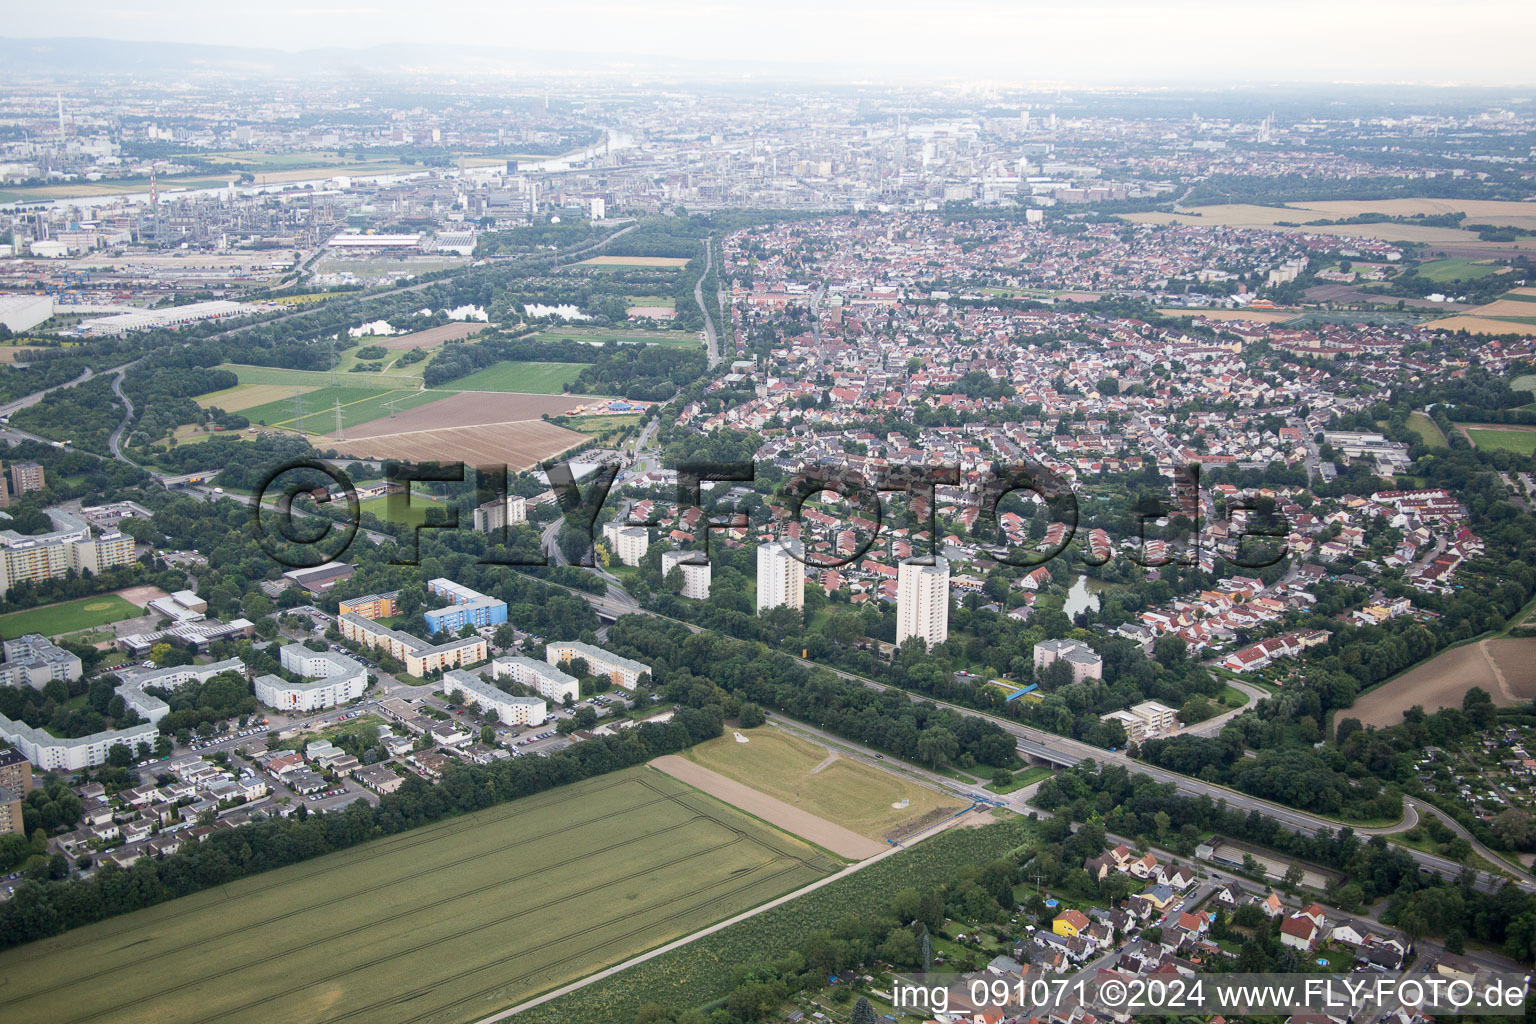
50	753
695	575
780	575
500	513
71	545
33	660
620	671
419	656
330	679
1144	721
628	543
552	684
135	684
922	602
509	709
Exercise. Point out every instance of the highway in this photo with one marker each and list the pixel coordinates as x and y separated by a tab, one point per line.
1061	751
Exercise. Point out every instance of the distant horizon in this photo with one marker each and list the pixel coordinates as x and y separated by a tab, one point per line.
982	43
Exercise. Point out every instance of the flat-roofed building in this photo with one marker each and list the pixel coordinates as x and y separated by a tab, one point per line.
499	513
419	656
318	579
922	602
10	813
780	575
136	684
370	606
1083	660
15	771
34	660
694	570
627	542
51	753
623	672
26	476
509	709
69	546
466	607
552	684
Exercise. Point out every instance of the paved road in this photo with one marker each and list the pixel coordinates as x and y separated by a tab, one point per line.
37	396
698	296
1212	726
114	442
1065	752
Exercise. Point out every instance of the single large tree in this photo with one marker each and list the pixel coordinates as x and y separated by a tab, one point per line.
863	1013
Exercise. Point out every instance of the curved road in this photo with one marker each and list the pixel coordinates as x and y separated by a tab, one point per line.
114	443
698	296
1065	752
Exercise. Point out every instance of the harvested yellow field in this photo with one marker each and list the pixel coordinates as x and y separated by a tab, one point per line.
249	396
1258	316
1505	307
634	261
1248	215
1504	668
1531	292
1483	325
872	802
1478	211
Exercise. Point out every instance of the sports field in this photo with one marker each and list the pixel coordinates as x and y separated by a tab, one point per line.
525	378
1522	441
249	375
67	616
444	924
415	513
840	789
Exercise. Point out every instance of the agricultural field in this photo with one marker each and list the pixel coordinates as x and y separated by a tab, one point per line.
870	801
1505	667
701	971
315	413
1503	308
526	378
243	397
432	337
1248	215
253	375
68	616
622	335
1503	439
1483	325
446	923
1457	270
303	300
634	261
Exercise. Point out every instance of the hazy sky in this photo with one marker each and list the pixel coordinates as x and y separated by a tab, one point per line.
1435	41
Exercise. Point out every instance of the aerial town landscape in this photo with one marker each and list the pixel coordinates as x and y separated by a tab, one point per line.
697	535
